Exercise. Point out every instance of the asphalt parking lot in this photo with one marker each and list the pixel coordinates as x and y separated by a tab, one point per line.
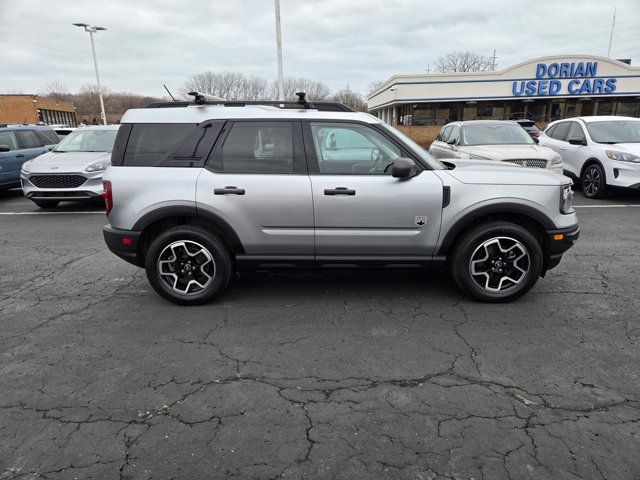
347	375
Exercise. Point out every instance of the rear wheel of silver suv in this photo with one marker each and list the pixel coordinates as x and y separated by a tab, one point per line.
497	261
188	265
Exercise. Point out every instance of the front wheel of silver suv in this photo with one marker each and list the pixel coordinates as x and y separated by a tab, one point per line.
496	261
188	265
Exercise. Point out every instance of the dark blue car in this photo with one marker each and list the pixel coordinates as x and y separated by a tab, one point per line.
19	143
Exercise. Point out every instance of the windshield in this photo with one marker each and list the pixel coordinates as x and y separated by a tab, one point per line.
415	148
615	131
495	134
88	141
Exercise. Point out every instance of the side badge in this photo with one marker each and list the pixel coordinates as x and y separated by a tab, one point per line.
421	220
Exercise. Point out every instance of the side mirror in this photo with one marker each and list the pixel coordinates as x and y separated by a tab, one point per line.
451	141
404	168
576	141
4	148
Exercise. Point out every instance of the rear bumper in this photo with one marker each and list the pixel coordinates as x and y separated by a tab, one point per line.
124	243
560	241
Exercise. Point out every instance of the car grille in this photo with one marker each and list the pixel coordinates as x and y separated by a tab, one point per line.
57	181
535	163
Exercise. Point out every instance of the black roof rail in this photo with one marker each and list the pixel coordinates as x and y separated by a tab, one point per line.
301	103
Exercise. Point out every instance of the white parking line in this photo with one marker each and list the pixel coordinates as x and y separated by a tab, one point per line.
606	206
50	213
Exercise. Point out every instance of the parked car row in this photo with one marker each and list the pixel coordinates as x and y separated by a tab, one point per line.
599	153
50	170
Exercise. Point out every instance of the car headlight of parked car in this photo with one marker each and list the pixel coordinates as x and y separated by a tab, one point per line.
556	160
98	166
622	156
26	167
473	156
566	199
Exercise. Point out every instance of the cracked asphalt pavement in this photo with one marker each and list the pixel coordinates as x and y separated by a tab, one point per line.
348	375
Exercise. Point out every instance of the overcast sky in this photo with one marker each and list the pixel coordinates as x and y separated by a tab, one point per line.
339	42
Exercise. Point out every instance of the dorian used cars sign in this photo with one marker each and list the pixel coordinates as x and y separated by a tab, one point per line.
574	78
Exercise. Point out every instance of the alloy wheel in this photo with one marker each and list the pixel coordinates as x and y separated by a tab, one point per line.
591	181
186	267
499	264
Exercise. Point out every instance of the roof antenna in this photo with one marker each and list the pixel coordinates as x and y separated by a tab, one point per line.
302	100
165	87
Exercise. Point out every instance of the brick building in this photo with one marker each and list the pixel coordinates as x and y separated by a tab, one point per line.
20	108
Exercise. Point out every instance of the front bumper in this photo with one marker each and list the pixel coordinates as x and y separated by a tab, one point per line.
124	243
559	242
89	190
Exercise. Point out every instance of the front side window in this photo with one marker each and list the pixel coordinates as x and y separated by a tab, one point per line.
454	136
88	141
495	134
344	148
615	131
257	147
29	139
8	138
575	133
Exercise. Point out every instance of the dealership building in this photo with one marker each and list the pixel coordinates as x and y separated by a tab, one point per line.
543	89
20	108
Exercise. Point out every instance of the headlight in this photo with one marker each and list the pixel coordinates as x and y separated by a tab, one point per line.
26	166
566	199
473	156
556	160
97	166
622	156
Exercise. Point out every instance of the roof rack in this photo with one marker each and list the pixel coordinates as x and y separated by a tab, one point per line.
204	99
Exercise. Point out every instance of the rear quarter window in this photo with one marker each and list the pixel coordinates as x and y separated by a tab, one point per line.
166	144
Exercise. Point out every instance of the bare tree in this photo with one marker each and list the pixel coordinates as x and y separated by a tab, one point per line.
374	85
351	99
463	62
56	90
228	85
315	91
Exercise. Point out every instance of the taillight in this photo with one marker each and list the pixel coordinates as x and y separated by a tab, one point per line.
107	195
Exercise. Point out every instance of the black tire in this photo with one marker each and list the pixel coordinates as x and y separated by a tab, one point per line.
470	246
46	203
594	181
192	235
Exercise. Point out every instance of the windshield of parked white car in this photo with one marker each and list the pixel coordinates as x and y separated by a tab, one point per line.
425	156
615	131
88	141
495	134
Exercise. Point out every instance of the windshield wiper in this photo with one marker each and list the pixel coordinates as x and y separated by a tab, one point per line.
59	151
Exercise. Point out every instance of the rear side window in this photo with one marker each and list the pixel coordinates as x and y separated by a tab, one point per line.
29	139
257	147
560	132
170	144
549	131
8	138
49	137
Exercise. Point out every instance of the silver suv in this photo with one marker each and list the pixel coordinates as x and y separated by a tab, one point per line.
198	191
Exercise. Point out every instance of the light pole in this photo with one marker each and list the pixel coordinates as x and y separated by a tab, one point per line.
279	52
93	29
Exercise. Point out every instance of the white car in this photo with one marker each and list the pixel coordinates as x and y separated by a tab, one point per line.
72	170
498	140
598	152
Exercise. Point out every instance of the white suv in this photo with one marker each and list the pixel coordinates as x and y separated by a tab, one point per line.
196	191
598	152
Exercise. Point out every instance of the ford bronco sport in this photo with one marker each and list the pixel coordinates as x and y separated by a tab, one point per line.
197	191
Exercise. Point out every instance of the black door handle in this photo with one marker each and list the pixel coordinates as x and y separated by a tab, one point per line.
339	191
19	155
228	190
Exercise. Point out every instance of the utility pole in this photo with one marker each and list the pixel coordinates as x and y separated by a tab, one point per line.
613	24
93	29
279	50
428	69
493	61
